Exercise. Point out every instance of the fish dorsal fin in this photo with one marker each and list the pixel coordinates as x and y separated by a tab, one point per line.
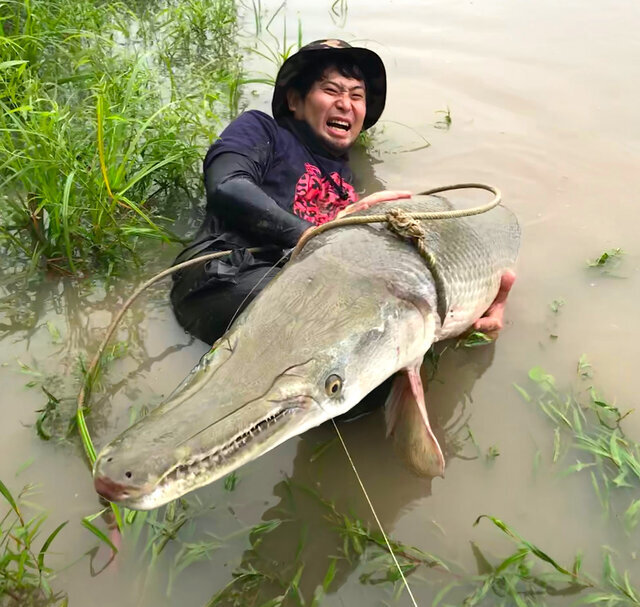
408	424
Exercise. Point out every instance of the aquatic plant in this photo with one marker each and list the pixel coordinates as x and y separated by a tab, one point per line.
444	123
371	140
25	578
529	576
556	305
273	48
526	576
230	481
583	423
609	257
473	340
587	426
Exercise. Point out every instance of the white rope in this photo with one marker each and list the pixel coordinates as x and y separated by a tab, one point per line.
384	535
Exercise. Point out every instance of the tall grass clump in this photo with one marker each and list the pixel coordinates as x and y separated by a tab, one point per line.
105	109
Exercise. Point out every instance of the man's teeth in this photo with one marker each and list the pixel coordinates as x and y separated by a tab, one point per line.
339	124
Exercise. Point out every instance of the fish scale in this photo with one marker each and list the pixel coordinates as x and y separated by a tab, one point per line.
470	254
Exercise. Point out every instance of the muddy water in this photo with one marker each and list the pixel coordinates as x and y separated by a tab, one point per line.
543	104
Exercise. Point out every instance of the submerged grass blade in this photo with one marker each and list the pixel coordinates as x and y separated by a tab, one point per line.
47	543
531	547
99	534
7	496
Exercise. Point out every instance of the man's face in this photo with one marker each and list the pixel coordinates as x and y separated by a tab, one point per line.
334	108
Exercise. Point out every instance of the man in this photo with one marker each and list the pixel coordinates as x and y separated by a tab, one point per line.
268	180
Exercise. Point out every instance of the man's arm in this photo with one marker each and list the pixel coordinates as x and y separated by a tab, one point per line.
233	194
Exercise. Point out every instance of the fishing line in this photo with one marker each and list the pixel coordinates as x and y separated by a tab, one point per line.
373	510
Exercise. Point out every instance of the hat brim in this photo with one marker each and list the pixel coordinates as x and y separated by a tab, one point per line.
375	78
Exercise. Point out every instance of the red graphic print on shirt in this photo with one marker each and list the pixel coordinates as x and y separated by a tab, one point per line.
315	198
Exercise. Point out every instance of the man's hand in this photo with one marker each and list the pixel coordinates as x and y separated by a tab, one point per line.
492	320
372	200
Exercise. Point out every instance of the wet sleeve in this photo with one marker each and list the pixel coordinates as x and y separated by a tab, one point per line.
233	194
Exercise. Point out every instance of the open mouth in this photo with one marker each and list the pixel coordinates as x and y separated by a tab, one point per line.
341	125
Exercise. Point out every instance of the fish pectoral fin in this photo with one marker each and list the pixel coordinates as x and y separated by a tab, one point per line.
408	423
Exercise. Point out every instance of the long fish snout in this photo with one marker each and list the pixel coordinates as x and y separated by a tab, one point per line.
178	458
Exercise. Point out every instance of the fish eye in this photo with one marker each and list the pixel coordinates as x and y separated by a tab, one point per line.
333	385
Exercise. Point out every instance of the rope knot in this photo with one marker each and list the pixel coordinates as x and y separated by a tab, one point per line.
404	225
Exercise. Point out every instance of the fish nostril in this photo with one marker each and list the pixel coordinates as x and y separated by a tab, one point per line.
109	459
128	474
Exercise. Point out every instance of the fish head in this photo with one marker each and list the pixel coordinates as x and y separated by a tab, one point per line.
308	349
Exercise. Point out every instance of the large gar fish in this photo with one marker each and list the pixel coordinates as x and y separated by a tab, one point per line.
356	306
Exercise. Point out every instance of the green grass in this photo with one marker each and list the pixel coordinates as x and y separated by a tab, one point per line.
104	115
530	577
607	258
231	481
590	438
473	340
25	577
526	576
584	426
273	48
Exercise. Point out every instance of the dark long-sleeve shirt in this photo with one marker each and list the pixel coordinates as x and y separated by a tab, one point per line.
266	183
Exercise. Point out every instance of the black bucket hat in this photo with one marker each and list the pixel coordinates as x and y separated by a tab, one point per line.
375	76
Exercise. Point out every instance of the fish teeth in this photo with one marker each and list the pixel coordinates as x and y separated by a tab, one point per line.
189	472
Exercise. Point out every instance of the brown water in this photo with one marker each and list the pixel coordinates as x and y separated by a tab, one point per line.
543	101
